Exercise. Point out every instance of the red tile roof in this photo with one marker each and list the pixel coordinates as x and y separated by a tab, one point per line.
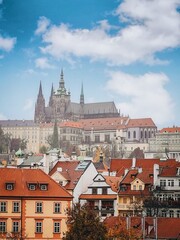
103	123
170	130
168	228
169	170
145	176
21	178
68	172
113	182
141	122
70	124
119	165
98	196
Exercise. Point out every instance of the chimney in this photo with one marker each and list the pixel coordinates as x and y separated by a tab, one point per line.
156	173
133	162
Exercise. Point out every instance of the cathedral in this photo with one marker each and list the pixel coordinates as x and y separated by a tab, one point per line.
61	108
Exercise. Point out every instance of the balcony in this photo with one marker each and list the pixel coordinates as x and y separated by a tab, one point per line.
125	206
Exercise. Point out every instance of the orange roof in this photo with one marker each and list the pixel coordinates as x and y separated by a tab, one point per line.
113	182
68	172
103	123
169	170
119	165
98	196
21	178
170	130
145	176
168	228
141	122
71	124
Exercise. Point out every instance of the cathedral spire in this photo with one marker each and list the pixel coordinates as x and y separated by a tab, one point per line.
51	96
82	95
61	83
40	90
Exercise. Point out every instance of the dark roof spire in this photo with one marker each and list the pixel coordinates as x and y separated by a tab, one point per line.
40	90
82	95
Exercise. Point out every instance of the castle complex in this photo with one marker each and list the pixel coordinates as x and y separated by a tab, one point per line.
61	108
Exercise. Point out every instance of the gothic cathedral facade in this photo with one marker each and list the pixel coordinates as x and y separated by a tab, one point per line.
61	108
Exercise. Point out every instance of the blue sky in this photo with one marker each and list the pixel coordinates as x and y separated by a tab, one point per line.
122	51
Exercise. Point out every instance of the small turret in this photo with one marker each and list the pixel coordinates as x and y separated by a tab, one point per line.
51	96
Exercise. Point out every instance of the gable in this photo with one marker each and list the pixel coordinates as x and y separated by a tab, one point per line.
99	178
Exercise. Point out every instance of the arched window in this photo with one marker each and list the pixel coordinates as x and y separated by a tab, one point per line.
129	134
141	134
145	134
134	134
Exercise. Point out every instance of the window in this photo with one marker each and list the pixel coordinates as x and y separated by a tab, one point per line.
162	183
94	190
16	207
104	190
97	138
178	213
171	213
171	183
164	214
56	227
107	138
140	187
57	207
3	206
9	186
134	187
134	134
129	134
43	187
38	227
32	187
2	226
15	226
39	207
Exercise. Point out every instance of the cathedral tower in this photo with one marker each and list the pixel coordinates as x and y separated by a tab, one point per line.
40	115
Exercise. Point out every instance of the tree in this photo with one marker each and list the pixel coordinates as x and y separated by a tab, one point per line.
84	224
118	230
18	143
43	149
153	206
137	153
53	140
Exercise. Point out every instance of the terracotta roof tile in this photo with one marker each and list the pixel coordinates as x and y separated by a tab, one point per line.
141	122
22	177
98	196
68	170
170	130
103	123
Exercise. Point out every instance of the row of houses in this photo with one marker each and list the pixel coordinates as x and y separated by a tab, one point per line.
33	203
122	133
125	133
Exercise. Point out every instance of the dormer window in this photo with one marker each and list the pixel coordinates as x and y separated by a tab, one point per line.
9	186
32	186
44	187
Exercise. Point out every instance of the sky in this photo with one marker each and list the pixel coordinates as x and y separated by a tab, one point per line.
123	51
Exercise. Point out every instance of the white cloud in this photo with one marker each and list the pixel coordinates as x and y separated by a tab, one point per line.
143	96
151	27
29	104
43	24
7	44
43	63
